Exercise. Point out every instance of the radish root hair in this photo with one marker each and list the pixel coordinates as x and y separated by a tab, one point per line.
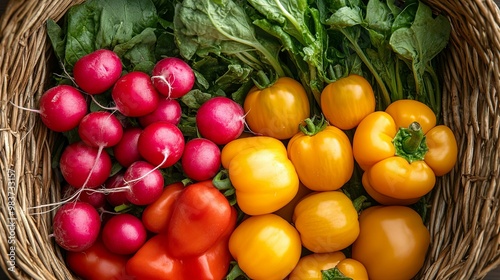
163	79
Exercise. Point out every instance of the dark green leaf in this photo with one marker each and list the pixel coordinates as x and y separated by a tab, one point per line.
57	38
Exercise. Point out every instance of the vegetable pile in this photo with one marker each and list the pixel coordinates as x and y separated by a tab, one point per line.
259	139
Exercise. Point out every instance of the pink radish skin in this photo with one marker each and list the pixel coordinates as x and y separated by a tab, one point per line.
172	77
144	183
126	151
97	72
134	94
76	226
161	144
168	110
201	159
94	198
220	120
62	108
78	160
124	234
100	129
116	182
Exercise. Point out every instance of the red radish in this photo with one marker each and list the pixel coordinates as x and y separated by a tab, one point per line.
126	151
116	182
95	198
100	129
168	110
173	77
161	144
201	159
220	119
123	234
134	94
97	72
76	226
82	165
144	183
62	108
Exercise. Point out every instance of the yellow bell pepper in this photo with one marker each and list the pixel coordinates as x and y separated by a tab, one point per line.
327	221
322	156
263	177
266	247
403	150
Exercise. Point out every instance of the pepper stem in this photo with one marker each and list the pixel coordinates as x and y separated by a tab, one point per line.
410	143
313	125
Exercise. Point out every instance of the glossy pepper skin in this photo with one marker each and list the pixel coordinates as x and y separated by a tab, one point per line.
266	247
277	110
403	150
338	97
98	263
310	266
263	177
201	214
322	156
392	243
156	216
327	221
193	242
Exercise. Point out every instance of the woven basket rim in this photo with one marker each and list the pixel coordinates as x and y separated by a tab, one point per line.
465	214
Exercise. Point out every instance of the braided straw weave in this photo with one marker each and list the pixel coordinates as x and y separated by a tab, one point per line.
465	216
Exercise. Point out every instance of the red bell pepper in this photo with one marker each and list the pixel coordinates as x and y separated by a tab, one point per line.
200	216
202	220
98	263
156	215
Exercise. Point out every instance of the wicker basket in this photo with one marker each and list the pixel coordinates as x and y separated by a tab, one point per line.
464	221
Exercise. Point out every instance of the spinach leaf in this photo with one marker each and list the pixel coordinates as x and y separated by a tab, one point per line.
126	25
56	36
81	29
202	27
418	45
138	53
297	25
121	20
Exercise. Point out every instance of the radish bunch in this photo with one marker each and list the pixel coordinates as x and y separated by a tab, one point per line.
122	150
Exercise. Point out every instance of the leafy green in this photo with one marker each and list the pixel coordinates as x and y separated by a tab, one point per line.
204	27
296	24
125	26
396	42
417	45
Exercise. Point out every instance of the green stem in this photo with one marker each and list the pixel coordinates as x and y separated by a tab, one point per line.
410	143
313	127
366	61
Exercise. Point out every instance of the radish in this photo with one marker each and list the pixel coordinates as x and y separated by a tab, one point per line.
100	129
123	234
161	144
116	182
134	94
95	198
168	110
201	159
83	166
76	226
98	71
220	119
126	151
61	108
172	77
144	183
